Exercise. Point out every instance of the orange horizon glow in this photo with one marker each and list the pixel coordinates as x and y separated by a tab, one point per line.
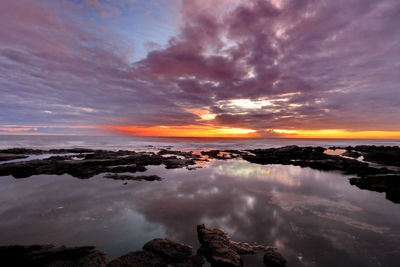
212	131
182	131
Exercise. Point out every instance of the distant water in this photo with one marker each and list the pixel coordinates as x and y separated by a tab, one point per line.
157	143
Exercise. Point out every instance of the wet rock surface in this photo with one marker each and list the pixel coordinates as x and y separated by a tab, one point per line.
216	247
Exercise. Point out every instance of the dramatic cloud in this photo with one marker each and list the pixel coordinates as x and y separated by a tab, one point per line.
260	65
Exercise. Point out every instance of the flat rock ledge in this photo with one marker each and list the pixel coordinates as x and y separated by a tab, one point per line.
216	247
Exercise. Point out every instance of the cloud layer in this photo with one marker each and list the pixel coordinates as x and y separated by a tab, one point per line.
259	65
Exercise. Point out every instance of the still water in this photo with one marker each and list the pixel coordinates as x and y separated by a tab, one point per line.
315	218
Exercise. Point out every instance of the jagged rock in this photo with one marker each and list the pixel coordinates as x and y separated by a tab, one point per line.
51	256
220	251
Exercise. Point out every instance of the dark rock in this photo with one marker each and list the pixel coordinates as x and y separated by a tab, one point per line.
133	178
312	157
221	154
160	252
385	155
49	255
390	184
274	259
138	259
188	155
219	250
6	156
216	248
127	168
171	163
25	151
173	253
352	154
99	161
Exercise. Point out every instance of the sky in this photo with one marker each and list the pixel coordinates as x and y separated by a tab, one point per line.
218	68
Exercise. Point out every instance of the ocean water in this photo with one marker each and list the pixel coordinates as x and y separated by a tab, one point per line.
314	218
157	143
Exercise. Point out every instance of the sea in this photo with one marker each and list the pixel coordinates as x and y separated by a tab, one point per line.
313	218
178	143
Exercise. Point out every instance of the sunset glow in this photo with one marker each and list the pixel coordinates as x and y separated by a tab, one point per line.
200	68
209	131
181	131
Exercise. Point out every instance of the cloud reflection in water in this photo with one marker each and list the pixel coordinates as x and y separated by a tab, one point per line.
315	218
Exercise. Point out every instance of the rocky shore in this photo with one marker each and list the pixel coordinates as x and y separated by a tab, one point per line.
216	248
85	163
375	168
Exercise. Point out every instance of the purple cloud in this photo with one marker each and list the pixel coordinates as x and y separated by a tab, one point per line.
260	64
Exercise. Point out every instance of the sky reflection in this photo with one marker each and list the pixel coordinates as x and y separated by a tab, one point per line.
315	218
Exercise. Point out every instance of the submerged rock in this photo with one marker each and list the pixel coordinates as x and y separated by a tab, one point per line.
51	256
133	178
